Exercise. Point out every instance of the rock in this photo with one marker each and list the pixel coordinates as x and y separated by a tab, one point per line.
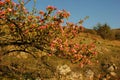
104	79
38	78
108	76
111	68
113	74
89	75
63	69
115	67
75	76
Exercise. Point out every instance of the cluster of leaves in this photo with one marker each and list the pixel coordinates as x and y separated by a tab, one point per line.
44	32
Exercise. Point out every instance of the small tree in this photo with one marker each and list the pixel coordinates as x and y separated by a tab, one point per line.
104	31
27	32
44	32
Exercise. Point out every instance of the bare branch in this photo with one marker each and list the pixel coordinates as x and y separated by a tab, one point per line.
8	52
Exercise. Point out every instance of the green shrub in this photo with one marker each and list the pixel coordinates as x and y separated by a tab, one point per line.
104	31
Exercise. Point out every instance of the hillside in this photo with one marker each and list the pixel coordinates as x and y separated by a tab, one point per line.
36	45
105	66
115	33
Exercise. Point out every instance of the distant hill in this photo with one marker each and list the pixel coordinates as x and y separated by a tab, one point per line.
115	32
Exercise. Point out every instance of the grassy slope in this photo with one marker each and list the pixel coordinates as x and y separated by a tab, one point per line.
109	52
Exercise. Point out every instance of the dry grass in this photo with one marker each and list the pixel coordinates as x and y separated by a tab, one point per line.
109	52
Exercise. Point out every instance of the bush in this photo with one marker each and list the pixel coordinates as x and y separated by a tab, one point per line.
104	31
25	31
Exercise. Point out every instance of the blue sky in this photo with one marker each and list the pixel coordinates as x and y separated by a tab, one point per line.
99	11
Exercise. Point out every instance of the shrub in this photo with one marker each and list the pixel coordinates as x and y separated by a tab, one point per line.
27	32
44	32
104	31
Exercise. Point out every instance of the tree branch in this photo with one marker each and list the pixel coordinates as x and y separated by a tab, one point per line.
5	53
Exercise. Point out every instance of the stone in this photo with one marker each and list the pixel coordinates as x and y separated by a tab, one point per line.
89	75
113	74
111	68
63	69
38	78
75	76
104	79
108	76
115	67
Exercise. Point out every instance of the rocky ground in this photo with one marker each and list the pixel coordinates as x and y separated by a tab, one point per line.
23	66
